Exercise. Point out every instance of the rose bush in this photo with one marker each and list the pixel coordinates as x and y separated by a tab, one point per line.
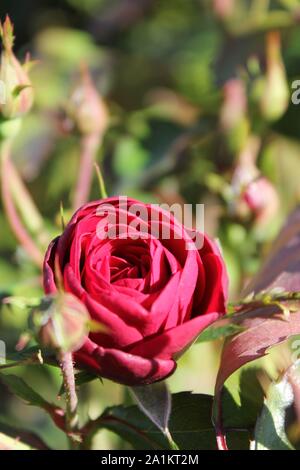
143	276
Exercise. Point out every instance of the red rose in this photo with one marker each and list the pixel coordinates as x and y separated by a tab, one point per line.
139	272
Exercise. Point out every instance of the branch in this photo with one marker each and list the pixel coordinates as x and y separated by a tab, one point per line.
25	204
89	147
66	364
12	215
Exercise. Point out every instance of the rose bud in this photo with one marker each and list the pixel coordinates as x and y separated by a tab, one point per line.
62	322
223	8
253	196
234	120
153	284
85	109
275	94
262	199
246	169
17	91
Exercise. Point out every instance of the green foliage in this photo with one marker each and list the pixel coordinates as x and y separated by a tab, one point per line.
130	158
155	401
23	391
270	430
218	332
190	424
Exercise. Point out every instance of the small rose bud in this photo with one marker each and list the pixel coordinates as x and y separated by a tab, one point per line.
275	91
246	169
61	322
16	89
254	196
234	122
223	8
262	199
86	109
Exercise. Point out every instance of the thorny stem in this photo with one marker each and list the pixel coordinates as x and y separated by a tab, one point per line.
89	146
12	214
67	368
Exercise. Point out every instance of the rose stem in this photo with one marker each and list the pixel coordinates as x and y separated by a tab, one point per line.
12	215
26	205
220	436
89	146
67	368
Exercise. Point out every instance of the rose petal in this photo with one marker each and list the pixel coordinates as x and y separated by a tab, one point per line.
123	367
172	342
214	296
119	333
49	280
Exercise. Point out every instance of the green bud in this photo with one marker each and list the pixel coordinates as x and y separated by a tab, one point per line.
16	91
275	91
85	108
234	120
61	322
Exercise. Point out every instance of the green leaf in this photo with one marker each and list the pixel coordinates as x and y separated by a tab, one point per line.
215	332
242	401
33	355
24	354
18	433
270	430
8	443
130	157
264	327
29	356
155	401
84	377
190	425
81	378
23	391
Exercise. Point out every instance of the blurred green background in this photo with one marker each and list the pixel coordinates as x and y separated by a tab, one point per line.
199	95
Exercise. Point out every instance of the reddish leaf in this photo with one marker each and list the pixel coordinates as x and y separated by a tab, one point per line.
282	267
266	326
